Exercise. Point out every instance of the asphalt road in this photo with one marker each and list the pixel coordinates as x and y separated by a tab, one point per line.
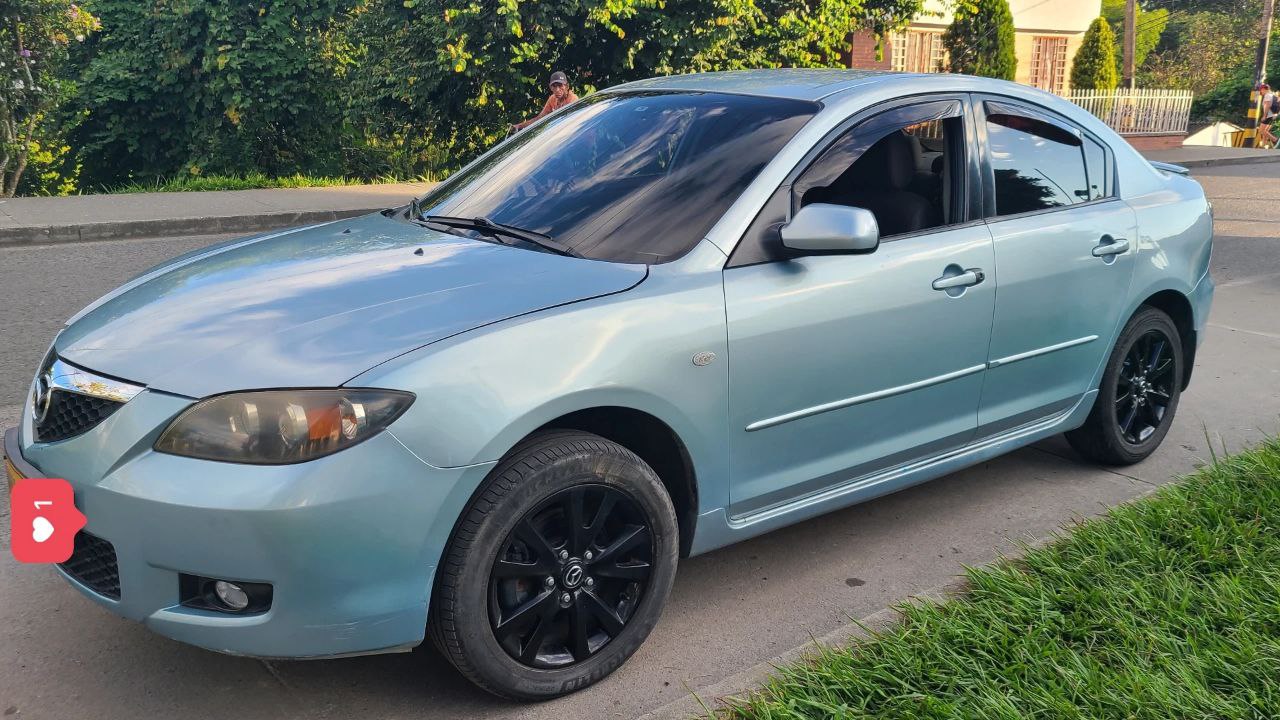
61	656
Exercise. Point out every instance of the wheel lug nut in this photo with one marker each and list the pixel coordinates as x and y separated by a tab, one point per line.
589	555
550	582
566	598
564	555
589	582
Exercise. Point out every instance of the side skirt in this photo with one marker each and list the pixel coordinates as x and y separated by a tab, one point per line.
717	529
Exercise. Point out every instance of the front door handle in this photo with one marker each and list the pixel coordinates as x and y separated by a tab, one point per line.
972	276
1110	246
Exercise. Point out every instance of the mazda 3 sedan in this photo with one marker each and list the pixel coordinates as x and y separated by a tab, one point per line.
676	314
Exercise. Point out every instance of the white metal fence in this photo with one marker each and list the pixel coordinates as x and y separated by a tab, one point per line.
1137	112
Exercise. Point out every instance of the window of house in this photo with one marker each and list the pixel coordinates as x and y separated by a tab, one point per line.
1037	165
1049	63
918	51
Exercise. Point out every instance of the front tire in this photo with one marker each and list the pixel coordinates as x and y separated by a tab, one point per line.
1139	393
558	570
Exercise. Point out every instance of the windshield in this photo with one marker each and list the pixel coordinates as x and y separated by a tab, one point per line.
636	177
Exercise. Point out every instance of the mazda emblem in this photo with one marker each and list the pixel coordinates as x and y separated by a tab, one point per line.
573	576
41	397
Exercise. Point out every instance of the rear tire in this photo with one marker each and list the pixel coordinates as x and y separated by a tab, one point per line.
558	570
1138	395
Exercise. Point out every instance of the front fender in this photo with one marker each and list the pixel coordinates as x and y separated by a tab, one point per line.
481	392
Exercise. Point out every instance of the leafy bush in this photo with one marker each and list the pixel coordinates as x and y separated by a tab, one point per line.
216	86
980	39
443	75
34	40
1229	99
1150	25
1095	63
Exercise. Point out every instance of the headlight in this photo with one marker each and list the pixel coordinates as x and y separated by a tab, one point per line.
279	427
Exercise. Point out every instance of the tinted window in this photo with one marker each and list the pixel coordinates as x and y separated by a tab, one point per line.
902	165
633	177
897	165
1037	165
1095	158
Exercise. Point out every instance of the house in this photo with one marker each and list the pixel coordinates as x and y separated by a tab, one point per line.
1048	33
1219	134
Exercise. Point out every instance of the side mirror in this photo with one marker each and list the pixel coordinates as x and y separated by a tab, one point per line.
824	228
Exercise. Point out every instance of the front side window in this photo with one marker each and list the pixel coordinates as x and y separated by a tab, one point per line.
632	177
899	165
1037	165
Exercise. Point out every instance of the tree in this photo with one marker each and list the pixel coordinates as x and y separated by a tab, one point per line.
1095	63
1199	50
443	78
34	36
980	39
1150	25
222	86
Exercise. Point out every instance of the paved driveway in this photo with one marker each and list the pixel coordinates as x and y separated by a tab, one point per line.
62	657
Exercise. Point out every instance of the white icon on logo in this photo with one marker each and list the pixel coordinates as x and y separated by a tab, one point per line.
41	529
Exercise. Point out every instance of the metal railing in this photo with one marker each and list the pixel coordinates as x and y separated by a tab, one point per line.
1137	112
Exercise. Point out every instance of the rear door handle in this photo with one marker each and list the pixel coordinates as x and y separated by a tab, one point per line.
972	276
1110	246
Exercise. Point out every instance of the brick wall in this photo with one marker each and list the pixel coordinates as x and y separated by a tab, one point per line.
1156	142
862	52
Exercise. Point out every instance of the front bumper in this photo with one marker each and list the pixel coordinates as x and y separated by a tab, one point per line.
349	542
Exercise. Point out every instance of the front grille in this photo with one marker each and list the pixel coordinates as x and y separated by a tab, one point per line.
71	414
93	564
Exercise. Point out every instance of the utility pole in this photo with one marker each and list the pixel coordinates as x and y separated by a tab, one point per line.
1131	40
1259	72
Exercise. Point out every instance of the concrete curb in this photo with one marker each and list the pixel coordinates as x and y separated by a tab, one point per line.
742	684
750	680
133	229
1220	162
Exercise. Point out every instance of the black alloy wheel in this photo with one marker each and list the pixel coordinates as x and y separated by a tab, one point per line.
570	576
1138	395
1145	387
558	569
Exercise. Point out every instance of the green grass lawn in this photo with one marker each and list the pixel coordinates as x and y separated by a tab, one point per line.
1168	607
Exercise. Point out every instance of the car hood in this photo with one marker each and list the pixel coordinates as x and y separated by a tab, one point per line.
317	306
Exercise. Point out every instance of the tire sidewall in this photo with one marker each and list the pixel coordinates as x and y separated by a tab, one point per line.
620	470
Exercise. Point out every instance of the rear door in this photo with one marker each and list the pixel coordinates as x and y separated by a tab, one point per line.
1064	256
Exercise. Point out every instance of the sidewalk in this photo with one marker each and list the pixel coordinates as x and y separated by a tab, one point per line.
31	221
41	220
1194	156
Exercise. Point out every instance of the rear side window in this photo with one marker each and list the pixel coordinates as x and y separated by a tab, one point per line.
1037	165
1095	158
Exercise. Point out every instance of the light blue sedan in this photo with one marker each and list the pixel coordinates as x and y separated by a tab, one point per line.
677	314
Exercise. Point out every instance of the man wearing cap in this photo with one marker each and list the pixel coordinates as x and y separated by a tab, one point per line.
561	95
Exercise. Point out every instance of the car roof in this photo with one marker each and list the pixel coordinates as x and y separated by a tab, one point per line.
796	83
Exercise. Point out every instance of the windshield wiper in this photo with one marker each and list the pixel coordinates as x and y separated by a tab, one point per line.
485	225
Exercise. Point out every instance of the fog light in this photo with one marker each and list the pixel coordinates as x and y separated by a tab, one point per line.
225	596
231	595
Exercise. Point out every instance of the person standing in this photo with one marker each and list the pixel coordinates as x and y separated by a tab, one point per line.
1267	115
561	95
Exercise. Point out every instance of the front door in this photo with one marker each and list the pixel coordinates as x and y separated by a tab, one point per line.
1064	254
844	365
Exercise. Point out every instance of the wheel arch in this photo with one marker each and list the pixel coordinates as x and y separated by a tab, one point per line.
1178	307
655	442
